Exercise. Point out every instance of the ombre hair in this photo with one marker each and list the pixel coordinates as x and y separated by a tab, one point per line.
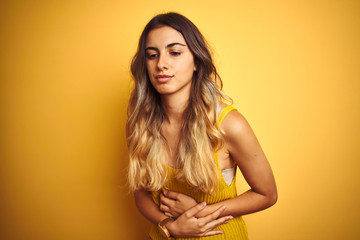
200	134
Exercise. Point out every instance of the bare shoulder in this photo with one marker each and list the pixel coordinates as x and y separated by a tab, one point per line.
240	140
235	125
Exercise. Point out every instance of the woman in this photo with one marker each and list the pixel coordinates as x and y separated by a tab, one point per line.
185	143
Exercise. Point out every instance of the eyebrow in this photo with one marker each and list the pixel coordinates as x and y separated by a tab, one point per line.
167	46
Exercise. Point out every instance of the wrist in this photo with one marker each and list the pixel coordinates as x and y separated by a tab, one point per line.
171	227
163	227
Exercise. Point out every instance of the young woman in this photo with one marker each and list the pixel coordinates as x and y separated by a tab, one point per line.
185	143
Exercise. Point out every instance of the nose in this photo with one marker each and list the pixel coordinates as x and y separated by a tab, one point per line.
162	62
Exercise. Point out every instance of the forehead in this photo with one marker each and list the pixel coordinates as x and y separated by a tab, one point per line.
162	36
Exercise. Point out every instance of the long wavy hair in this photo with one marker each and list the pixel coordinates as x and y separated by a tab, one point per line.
200	135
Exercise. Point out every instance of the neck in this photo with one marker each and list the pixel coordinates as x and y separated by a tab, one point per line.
174	108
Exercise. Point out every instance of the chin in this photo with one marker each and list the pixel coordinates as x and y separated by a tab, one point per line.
163	91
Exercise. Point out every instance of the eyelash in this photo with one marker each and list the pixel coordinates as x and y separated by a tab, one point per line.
175	53
152	56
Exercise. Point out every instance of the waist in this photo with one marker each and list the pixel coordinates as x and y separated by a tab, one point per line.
234	229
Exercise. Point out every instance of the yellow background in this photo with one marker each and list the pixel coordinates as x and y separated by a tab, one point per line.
292	68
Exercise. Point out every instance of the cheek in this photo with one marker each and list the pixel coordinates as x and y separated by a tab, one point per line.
150	71
148	67
188	68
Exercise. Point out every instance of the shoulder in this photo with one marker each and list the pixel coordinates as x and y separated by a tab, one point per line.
235	125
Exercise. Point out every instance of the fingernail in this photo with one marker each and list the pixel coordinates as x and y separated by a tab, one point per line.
165	192
203	204
226	221
230	217
223	208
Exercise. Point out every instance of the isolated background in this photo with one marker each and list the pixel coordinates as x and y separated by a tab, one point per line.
292	68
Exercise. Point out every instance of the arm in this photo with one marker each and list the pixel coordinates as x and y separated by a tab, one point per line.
245	150
147	207
186	225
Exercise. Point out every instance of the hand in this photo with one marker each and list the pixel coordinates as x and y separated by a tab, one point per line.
187	225
173	204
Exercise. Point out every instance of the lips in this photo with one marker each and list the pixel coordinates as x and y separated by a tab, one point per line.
163	78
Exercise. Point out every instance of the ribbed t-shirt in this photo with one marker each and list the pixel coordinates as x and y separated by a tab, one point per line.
235	229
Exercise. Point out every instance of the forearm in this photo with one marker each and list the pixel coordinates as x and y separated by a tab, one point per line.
187	225
246	203
147	207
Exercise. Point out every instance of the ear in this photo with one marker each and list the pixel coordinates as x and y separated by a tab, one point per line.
195	68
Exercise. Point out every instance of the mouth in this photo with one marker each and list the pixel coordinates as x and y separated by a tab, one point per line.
163	78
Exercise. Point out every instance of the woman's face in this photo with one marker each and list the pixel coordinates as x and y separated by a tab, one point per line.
169	61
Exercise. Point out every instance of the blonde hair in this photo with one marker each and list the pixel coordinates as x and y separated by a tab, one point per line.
200	135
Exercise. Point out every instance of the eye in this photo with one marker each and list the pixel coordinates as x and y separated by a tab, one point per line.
175	53
151	56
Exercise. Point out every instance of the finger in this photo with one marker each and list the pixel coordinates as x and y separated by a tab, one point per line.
214	215
214	224
210	233
195	210
171	194
161	197
164	208
168	214
167	201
